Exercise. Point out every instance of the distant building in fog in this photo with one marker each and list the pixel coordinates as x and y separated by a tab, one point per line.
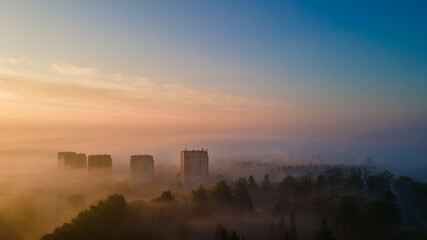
194	167
142	168
100	163
61	158
71	160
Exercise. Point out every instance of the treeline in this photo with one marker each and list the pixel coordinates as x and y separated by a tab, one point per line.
340	203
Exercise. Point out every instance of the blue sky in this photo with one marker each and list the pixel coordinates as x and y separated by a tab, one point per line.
273	49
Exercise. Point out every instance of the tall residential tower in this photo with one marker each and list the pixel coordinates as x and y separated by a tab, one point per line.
71	160
142	168
101	163
194	167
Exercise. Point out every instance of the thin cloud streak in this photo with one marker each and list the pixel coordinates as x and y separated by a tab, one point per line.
67	84
50	107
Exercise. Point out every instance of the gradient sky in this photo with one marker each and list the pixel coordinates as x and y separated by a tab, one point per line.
349	78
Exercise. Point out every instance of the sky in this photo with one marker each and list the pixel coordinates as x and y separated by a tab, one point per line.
245	79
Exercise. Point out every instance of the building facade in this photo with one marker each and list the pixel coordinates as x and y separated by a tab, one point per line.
72	160
194	167
142	168
101	163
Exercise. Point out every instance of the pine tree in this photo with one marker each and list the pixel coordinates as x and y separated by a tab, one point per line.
252	183
221	233
323	233
292	228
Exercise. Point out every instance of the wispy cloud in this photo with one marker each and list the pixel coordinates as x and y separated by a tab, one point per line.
68	69
70	86
15	61
51	100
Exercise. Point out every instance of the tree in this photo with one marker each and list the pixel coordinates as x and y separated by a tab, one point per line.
323	233
234	236
252	185
243	180
200	195
106	220
413	196
241	196
292	232
222	192
394	211
200	200
220	233
377	185
355	179
266	184
389	197
279	230
382	212
165	197
306	182
379	219
321	181
334	176
347	209
288	185
283	207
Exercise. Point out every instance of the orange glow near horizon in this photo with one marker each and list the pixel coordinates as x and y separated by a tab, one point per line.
51	107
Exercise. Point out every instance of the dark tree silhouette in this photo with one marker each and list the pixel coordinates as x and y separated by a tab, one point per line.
323	233
383	212
336	196
377	185
165	197
106	220
200	195
356	178
334	176
321	181
288	186
292	231
252	185
266	184
220	233
222	192
241	195
347	210
234	236
413	197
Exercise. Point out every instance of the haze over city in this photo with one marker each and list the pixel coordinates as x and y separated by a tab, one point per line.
342	81
260	86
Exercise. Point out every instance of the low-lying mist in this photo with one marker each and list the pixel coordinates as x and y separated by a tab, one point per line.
36	196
